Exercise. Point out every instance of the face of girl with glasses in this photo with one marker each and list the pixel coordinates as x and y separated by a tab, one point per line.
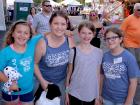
113	40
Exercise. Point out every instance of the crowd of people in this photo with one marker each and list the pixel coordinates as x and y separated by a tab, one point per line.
42	49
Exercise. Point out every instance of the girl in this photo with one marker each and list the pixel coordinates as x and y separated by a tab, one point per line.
84	81
51	57
119	71
19	54
93	17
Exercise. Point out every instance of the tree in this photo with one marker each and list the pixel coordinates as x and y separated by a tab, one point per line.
37	1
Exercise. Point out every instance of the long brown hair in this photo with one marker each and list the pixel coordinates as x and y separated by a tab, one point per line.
9	38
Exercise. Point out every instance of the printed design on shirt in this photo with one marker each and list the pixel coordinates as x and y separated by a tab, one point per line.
113	71
57	59
14	63
26	63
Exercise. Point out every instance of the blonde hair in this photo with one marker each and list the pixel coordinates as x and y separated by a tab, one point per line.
9	38
91	12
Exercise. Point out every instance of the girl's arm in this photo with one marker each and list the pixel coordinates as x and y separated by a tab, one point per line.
71	41
3	78
131	91
69	73
39	52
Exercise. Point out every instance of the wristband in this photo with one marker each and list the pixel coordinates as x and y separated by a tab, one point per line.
67	90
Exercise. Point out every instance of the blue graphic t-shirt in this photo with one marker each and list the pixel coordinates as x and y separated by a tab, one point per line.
117	71
22	62
53	65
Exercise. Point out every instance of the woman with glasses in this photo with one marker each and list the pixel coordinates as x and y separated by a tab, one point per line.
119	71
93	17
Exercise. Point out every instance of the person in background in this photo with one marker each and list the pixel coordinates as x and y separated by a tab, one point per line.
52	52
119	71
21	45
93	17
132	32
82	85
41	20
31	15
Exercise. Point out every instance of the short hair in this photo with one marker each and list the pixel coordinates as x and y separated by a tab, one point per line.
88	25
136	5
44	1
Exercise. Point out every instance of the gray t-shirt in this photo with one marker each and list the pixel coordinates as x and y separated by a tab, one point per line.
117	71
84	80
41	23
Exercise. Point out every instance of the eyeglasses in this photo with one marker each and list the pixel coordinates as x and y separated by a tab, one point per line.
113	38
47	5
138	9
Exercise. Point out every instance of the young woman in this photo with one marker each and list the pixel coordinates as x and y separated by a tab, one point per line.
119	71
51	57
83	84
32	13
19	54
93	17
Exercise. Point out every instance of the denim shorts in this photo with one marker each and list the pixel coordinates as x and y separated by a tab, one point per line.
28	97
108	102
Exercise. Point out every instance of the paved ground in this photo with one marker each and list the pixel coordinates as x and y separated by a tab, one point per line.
76	20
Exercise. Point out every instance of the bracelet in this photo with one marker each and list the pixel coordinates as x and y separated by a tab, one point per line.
67	90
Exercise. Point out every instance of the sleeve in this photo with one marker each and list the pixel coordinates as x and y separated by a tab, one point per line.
35	22
36	38
3	60
133	68
28	18
102	70
71	55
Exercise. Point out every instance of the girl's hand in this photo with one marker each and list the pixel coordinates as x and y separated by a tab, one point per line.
14	87
67	102
69	33
99	101
44	84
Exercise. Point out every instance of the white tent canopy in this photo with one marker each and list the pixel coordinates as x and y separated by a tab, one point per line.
54	3
88	1
70	2
24	1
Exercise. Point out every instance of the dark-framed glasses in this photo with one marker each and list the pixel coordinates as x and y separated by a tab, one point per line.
138	9
113	38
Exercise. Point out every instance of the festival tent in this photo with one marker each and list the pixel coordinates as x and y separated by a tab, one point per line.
53	3
70	2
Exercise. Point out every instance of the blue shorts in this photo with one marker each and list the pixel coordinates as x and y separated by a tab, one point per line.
28	97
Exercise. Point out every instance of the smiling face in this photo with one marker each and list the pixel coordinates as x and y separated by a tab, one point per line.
58	26
113	41
21	34
86	35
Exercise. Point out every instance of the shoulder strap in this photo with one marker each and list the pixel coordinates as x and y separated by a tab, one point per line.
74	48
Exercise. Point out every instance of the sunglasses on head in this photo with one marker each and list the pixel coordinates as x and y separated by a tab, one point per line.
47	5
